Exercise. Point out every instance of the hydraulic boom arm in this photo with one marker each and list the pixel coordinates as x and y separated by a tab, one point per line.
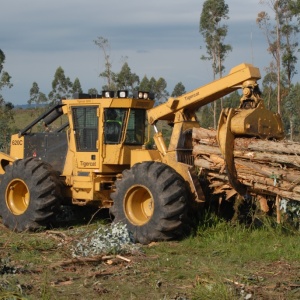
206	94
251	118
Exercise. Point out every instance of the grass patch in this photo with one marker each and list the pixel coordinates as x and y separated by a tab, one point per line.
219	260
217	256
24	117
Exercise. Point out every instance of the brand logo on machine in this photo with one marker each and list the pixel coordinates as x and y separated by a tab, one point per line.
189	97
87	164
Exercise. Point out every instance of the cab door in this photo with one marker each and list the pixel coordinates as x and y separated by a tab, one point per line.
86	131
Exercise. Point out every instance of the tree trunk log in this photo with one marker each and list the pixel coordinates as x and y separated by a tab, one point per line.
265	167
209	137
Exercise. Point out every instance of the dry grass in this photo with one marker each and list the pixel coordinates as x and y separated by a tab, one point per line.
24	117
217	262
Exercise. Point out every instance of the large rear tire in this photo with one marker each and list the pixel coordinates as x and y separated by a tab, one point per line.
151	198
30	194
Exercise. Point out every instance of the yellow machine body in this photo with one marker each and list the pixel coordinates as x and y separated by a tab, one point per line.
89	174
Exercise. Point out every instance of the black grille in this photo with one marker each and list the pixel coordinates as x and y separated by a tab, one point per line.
185	156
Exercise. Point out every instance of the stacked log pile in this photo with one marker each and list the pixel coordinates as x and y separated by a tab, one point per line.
265	167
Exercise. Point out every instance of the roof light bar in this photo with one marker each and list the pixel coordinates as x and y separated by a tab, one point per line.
108	94
143	95
122	94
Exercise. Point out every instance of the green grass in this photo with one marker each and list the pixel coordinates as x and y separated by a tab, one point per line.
204	265
224	252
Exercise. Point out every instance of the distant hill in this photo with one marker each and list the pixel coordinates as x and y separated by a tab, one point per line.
25	106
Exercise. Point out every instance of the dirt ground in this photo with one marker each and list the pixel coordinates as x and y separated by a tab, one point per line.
40	266
279	280
137	276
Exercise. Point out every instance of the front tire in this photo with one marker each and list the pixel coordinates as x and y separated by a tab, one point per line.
30	194
151	198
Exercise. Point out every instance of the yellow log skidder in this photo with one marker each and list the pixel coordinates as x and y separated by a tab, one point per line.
99	157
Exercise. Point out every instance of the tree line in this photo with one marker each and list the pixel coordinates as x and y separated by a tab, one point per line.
63	87
125	79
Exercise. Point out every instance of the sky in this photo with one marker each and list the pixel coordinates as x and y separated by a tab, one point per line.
157	38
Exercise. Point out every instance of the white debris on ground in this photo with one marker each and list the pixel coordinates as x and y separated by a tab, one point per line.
113	239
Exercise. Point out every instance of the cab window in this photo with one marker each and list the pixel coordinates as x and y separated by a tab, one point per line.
135	133
85	127
114	119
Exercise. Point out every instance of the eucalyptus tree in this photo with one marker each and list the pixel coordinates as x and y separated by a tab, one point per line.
6	108
160	90
76	87
205	116
104	46
156	86
4	76
62	87
92	91
214	32
7	122
292	106
280	32
36	97
125	79
269	86
232	100
179	90
152	84
145	84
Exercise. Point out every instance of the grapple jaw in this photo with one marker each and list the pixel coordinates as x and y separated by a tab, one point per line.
251	119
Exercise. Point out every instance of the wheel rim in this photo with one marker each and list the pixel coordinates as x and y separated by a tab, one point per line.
139	205
17	196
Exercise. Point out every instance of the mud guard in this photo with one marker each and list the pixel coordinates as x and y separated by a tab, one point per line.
5	160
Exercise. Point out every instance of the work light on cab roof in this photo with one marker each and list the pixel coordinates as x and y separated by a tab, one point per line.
124	94
143	95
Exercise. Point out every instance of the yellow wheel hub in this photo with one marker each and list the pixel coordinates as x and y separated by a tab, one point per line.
138	205
17	196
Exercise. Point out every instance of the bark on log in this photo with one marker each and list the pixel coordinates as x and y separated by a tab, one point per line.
266	167
207	136
254	187
267	156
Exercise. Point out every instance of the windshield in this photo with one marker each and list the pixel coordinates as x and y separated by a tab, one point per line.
135	133
114	119
114	126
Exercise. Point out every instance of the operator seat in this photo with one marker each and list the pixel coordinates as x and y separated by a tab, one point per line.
112	131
